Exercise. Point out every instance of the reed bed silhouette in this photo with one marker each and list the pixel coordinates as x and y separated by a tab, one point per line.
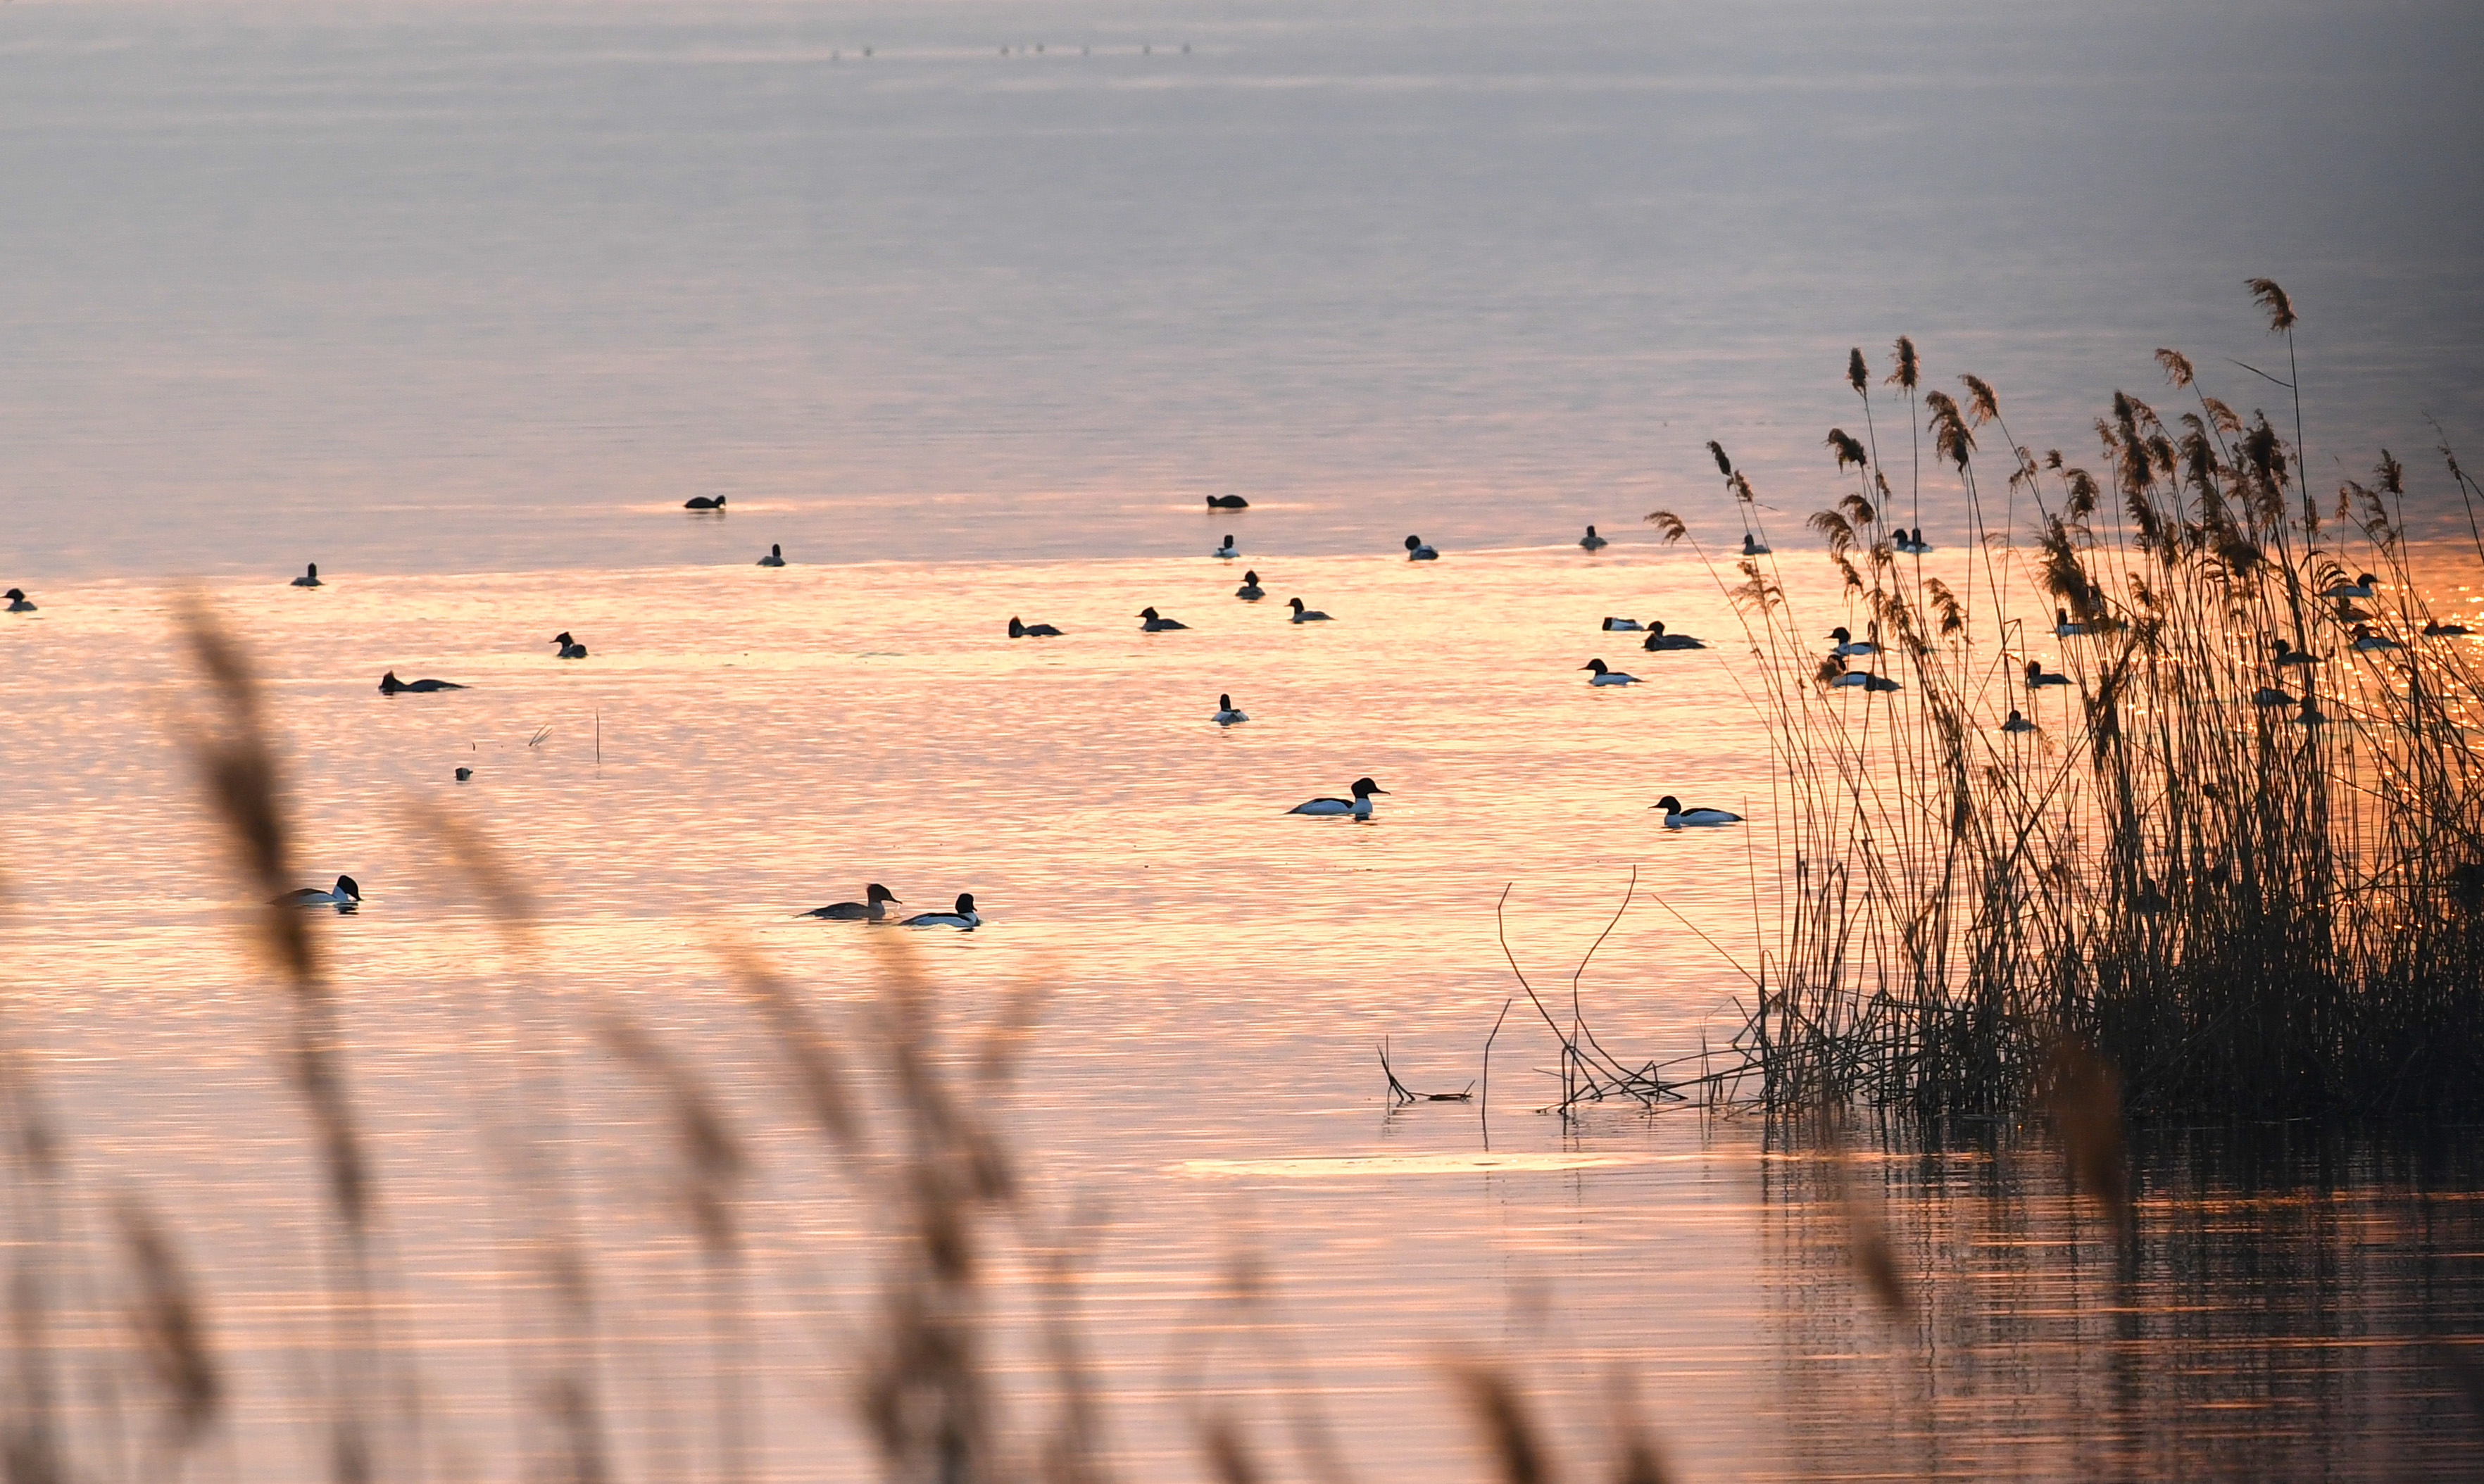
2164	791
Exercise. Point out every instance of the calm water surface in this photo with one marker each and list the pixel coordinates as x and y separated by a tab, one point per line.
1218	975
461	302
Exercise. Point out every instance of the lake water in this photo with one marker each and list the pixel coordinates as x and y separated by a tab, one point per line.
462	302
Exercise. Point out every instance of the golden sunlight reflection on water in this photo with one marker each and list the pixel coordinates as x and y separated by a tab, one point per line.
1218	975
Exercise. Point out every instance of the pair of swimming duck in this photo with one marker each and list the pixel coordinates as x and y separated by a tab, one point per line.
1358	807
874	908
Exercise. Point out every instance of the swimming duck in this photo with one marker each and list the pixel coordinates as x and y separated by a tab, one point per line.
465	773
1657	639
570	649
874	910
1606	677
1249	591
2370	642
1226	715
1019	630
1304	615
345	896
1358	806
1417	550
2147	901
17	603
2437	630
1228	502
1848	645
2038	677
1751	545
1623	625
1229	550
389	684
309	579
1870	683
965	917
2015	724
1913	542
776	556
2064	627
703	503
2271	695
1593	542
1678	818
2360	588
1157	623
2287	654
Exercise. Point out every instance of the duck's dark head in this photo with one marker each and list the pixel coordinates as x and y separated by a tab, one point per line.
350	887
879	893
1669	804
1596	666
1364	788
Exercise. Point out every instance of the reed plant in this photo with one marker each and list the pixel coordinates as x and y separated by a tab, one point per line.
2235	840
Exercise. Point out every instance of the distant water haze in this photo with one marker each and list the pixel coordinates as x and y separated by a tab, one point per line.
422	288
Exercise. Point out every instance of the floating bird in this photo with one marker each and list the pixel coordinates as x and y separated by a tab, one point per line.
1751	545
2287	654
1019	630
1157	623
1249	591
2437	630
1593	542
1869	681
2360	588
1417	550
1228	502
2147	901
389	684
2271	695
965	917
2372	643
1226	715
1657	639
1678	818
1358	806
1912	544
775	557
465	773
17	602
309	579
875	910
345	896
1229	550
570	649
1622	624
1848	645
1606	677
703	503
2038	677
2015	723
1304	615
2064	627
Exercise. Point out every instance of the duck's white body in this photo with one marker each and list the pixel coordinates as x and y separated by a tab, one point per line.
2360	588
1867	680
1622	624
965	917
1229	551
1226	715
1678	818
2373	643
1847	645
